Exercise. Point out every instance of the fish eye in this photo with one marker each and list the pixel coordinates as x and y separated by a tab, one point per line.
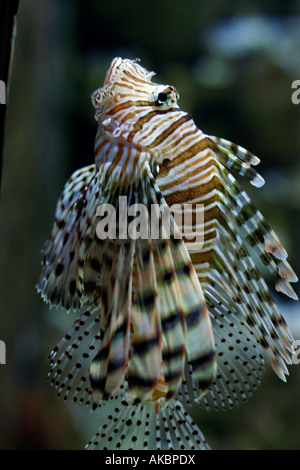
161	98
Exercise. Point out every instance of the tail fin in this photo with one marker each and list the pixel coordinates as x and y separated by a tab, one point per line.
143	426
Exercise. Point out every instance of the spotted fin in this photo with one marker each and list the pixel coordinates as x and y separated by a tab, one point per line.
70	359
60	282
250	222
145	427
257	233
239	358
243	228
236	151
237	159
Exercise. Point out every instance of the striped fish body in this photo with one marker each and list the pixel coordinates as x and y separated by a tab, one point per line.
168	315
160	314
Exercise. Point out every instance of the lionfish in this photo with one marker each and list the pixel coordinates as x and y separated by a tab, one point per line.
161	326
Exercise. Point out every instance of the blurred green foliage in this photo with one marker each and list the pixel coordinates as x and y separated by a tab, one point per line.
233	63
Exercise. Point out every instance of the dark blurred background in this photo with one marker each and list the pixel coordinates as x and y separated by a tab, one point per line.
233	63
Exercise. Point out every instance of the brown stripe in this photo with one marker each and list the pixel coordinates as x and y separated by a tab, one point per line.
100	146
210	235
172	128
193	193
117	157
192	172
183	137
128	86
135	79
209	200
125	105
139	104
197	147
144	119
199	258
127	159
